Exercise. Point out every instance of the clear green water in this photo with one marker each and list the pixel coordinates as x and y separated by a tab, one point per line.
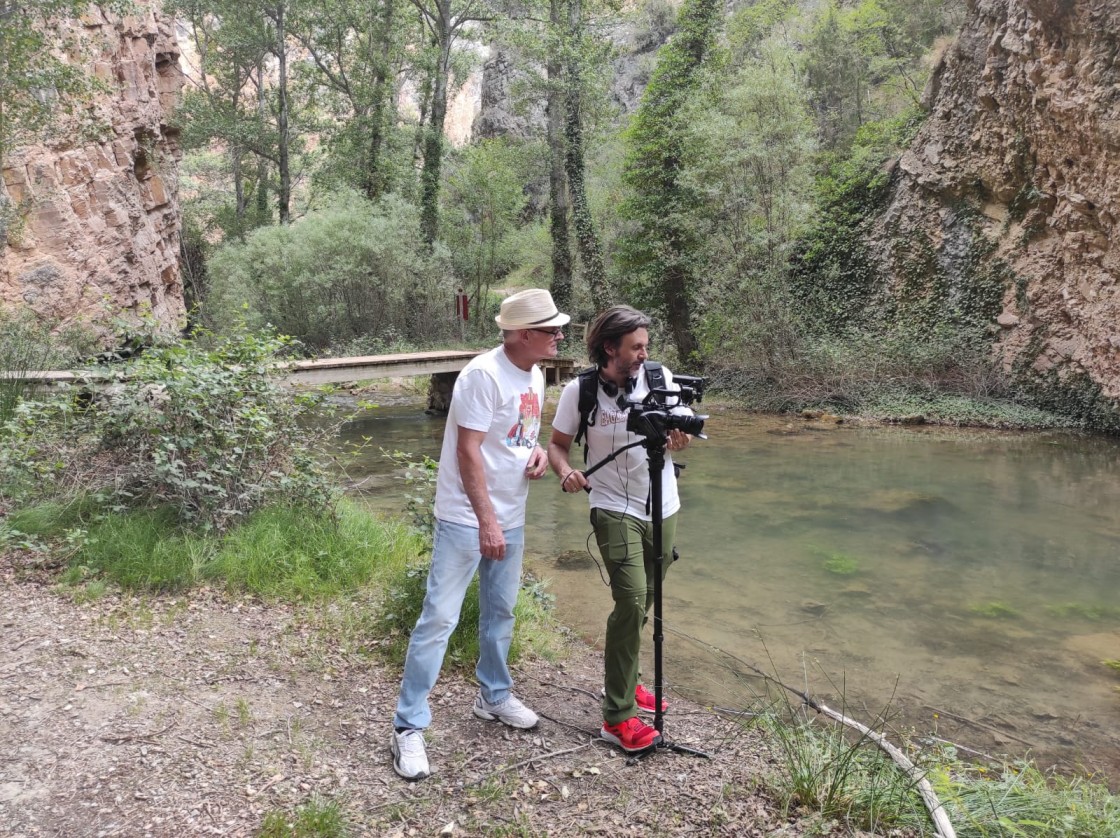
962	583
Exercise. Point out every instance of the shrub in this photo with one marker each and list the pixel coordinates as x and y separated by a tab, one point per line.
201	427
28	344
350	270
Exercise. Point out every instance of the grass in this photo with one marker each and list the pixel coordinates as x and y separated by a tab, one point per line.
142	551
534	627
828	771
958	409
315	819
279	552
289	554
1024	802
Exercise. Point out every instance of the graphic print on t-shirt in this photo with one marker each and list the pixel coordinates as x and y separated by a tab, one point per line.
524	434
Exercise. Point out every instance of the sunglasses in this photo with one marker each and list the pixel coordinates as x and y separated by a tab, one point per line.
554	332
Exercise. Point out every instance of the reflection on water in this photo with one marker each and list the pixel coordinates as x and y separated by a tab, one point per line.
963	581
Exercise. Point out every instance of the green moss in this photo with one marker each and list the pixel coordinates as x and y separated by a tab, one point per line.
1078	610
841	564
1074	395
994	610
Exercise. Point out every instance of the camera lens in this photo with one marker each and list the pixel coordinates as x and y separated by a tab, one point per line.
693	425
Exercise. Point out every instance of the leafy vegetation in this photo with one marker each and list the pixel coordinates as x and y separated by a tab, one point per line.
202	427
350	269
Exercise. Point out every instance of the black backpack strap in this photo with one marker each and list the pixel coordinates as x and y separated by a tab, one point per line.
655	375
588	403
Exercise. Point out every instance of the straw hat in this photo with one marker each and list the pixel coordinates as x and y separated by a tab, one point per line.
529	309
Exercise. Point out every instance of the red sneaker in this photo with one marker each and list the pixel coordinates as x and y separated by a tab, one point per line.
632	735
646	700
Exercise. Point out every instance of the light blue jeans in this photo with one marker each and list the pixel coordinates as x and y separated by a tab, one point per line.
455	557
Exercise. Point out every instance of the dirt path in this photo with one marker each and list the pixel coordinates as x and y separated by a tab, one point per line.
200	715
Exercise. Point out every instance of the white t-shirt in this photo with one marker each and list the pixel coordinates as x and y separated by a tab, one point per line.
495	396
622	485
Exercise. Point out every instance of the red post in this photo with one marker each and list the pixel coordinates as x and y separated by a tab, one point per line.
462	312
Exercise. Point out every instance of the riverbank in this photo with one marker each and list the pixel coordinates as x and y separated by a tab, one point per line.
206	714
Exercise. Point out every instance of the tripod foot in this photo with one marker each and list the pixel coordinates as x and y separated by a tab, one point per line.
666	745
682	749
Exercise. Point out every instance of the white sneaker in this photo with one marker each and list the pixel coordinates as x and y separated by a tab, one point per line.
511	712
410	760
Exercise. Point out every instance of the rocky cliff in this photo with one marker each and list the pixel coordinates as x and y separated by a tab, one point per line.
99	235
1016	175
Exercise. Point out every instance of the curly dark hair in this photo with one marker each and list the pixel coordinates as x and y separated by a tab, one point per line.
609	328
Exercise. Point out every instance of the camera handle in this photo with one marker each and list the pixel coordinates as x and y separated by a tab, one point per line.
609	458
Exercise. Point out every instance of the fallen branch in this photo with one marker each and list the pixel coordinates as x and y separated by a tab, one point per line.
133	737
929	796
532	759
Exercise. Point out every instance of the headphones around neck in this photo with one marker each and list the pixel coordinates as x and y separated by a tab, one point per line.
611	389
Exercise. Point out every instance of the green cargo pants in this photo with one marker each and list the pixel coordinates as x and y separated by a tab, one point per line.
626	545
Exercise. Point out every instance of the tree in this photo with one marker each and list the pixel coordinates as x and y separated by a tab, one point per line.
660	250
230	46
561	285
245	98
750	156
356	50
485	199
445	20
587	239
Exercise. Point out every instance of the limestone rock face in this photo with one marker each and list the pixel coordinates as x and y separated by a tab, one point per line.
1025	125
99	237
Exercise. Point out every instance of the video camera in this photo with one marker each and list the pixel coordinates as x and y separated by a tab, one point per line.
653	416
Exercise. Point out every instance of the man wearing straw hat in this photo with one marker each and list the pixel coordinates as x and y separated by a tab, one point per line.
489	455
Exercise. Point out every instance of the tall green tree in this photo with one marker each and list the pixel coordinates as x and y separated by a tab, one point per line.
864	61
750	158
587	239
445	21
229	46
660	251
558	204
485	200
247	102
356	51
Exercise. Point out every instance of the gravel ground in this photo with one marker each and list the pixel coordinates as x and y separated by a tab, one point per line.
201	715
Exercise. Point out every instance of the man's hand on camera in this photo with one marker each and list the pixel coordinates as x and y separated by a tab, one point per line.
573	482
677	439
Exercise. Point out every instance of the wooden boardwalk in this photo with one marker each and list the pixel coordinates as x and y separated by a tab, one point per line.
333	370
364	367
339	370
